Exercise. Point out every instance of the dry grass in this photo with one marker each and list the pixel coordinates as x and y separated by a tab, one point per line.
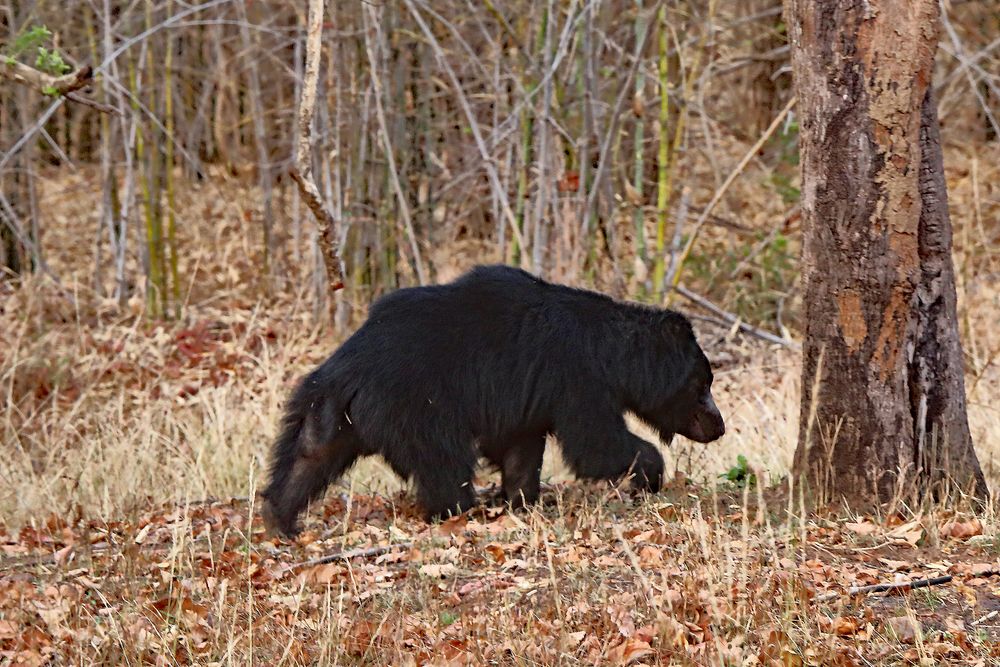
117	432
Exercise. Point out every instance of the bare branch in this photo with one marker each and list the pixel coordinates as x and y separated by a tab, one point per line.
54	86
302	172
488	160
733	319
93	104
45	83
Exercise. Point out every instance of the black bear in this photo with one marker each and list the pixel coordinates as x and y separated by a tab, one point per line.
488	365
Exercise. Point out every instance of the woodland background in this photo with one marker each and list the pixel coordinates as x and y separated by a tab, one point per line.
163	290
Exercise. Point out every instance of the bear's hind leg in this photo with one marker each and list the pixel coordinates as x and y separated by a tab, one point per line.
522	469
301	476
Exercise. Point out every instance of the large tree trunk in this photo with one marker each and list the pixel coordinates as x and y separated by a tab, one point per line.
883	395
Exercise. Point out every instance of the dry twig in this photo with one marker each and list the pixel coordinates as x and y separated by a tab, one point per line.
302	172
733	319
353	553
902	587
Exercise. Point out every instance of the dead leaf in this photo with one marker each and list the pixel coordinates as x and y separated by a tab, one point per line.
437	570
903	628
650	556
452	526
909	533
861	527
571	640
638	105
29	659
896	565
322	574
845	626
630	651
632	195
9	630
570	182
962	530
496	552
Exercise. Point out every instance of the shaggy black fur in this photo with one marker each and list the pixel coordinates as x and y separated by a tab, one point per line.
488	365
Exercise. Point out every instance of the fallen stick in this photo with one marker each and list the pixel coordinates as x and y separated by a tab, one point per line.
353	553
879	588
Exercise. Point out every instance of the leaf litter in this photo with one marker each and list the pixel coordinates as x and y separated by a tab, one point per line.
611	582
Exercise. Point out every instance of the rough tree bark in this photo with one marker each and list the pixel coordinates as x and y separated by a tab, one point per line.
883	395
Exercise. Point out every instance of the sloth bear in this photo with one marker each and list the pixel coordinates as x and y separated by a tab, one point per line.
488	365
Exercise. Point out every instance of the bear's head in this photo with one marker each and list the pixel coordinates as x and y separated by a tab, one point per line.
680	399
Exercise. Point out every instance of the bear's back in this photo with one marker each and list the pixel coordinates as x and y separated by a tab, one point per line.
484	288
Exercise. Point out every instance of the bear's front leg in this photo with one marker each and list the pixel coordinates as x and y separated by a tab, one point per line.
443	476
598	445
522	469
647	469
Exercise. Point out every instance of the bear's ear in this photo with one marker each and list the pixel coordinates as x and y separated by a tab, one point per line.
674	325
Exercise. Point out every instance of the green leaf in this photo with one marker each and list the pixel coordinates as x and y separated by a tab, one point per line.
28	40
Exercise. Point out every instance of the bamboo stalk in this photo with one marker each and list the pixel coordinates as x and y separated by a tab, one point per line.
397	186
106	173
264	178
154	280
168	110
521	198
538	242
638	147
128	124
675	280
583	244
155	176
663	154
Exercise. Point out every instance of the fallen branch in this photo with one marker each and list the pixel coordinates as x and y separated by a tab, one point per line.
733	319
880	588
353	553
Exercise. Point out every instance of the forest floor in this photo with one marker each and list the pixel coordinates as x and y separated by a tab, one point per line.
593	576
133	449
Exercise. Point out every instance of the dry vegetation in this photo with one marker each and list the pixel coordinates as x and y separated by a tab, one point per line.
119	432
132	446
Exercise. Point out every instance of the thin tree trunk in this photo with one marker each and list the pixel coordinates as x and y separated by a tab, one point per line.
883	409
397	186
584	244
303	158
250	47
543	160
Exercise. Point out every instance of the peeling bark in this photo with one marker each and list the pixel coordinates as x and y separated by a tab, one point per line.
883	405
